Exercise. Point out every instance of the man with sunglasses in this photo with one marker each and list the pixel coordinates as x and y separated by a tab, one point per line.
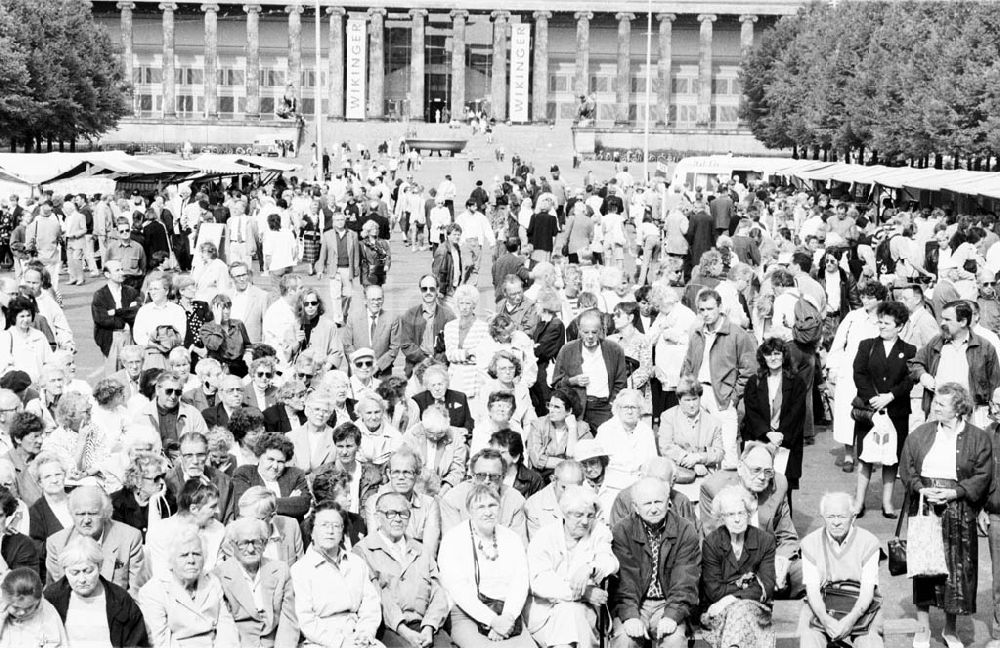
420	326
755	472
167	414
363	372
130	254
231	396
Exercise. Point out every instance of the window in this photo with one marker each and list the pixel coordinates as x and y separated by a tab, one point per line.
307	106
146	103
638	84
226	104
147	75
189	76
272	77
558	83
266	105
680	85
190	104
231	77
727	114
683	114
567	110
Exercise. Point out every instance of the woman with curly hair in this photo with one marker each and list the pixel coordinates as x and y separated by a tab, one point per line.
77	441
274	454
109	414
144	498
375	255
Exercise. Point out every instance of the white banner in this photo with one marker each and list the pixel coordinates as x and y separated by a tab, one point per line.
357	56
520	66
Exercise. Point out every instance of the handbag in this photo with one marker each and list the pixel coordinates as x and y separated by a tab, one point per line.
495	605
861	411
896	546
880	442
840	597
927	557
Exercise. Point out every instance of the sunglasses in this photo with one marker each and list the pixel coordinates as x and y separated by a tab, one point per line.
170	391
310	303
265	374
364	363
304	376
428	288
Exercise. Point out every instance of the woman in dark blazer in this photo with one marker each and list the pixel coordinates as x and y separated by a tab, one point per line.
828	272
274	452
882	376
549	336
737	575
289	411
784	430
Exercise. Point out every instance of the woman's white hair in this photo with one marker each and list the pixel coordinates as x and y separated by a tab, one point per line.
733	494
578	498
186	534
139	435
625	395
465	291
81	549
257	502
367	397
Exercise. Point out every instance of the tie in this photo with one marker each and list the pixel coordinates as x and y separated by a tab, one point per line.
371	338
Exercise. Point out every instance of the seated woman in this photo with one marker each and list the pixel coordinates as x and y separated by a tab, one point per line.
50	513
289	412
95	611
81	445
285	540
486	575
197	507
274	472
335	600
185	606
220	445
737	575
552	438
145	499
379	438
594	459
334	484
691	435
29	620
505	336
567	561
504	374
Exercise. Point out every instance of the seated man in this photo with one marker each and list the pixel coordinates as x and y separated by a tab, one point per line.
656	593
543	507
839	551
193	464
442	450
663	469
122	544
755	472
524	480
566	590
424	523
486	467
435	381
414	605
249	577
205	394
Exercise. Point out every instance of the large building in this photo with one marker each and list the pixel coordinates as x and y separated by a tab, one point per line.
524	60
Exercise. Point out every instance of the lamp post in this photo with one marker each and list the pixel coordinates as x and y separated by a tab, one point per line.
649	86
318	93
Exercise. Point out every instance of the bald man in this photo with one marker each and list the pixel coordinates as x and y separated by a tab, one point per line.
90	507
661	468
543	508
660	566
113	310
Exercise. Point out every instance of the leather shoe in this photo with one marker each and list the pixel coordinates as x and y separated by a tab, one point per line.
848	467
890	515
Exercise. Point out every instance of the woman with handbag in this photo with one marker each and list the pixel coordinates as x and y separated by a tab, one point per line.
840	572
948	462
882	376
737	575
486	576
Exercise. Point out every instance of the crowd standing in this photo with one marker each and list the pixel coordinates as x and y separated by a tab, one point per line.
609	452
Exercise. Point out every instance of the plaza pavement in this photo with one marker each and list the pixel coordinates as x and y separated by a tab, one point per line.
819	473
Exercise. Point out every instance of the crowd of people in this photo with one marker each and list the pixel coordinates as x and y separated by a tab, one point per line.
609	451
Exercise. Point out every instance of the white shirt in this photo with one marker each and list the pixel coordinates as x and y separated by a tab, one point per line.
939	463
151	315
280	326
594	367
56	318
87	622
256	586
953	365
626	451
475	225
987	335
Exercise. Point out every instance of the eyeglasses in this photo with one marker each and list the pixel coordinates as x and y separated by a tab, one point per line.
428	288
490	477
396	515
247	544
364	363
735	515
170	391
837	518
757	471
265	374
330	526
155	478
304	376
401	473
311	303
240	276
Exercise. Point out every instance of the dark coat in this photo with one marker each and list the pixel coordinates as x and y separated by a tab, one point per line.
291	480
984	368
42	521
126	627
126	510
757	419
508	263
549	337
104	323
542	230
527	482
442	267
411	332
973	465
18	550
455	402
227	503
700	234
569	363
722	573
678	571
722	210
850	298
876	374
276	418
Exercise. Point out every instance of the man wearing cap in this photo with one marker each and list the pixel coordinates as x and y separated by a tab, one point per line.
420	326
593	367
372	328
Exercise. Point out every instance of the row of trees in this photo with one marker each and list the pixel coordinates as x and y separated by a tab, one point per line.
897	81
60	77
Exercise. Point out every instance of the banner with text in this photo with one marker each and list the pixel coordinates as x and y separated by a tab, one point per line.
520	62
357	51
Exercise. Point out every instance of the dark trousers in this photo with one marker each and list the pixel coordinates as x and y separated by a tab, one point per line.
663	399
598	413
804	362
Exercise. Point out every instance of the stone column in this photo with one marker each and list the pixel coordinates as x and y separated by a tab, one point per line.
419	18
499	76
664	64
211	60
582	79
335	74
458	63
126	20
540	69
252	73
294	77
623	80
169	86
376	63
746	31
704	112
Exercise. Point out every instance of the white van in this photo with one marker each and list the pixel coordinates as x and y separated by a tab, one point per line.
706	171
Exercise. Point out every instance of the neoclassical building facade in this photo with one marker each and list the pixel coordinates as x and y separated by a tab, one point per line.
523	60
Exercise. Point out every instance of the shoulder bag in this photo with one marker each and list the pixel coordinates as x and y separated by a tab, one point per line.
496	605
840	597
896	547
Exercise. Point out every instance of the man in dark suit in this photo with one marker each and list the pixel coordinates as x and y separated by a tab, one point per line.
722	209
113	310
594	368
755	472
231	396
420	326
194	465
372	327
436	391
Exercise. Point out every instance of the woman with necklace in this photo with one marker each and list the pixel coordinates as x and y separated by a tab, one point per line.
486	576
196	312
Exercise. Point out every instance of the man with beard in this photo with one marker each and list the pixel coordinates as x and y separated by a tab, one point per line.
755	472
958	355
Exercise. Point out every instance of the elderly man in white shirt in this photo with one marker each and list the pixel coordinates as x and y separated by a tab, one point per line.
158	312
477	236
